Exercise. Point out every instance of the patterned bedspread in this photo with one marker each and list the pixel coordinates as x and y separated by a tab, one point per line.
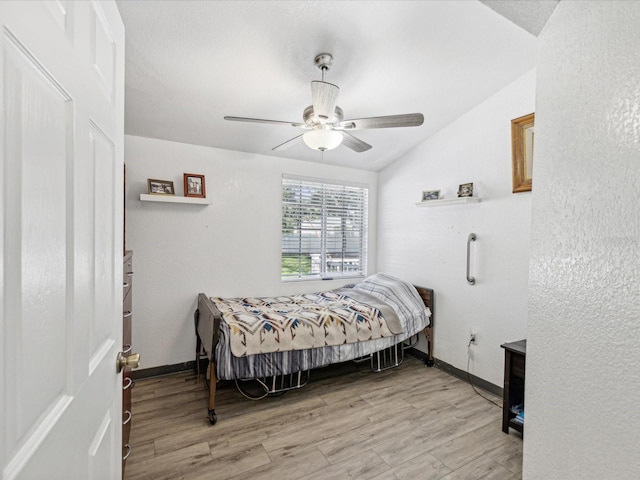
299	322
396	294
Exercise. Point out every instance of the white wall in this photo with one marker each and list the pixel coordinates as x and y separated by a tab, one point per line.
583	352
427	246
229	248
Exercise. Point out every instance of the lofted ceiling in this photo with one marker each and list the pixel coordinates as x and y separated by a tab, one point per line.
190	63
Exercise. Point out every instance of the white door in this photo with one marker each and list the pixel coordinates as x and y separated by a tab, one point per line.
61	201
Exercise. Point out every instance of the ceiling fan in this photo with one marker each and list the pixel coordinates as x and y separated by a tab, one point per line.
324	120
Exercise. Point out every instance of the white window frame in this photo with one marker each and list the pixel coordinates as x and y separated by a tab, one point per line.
336	251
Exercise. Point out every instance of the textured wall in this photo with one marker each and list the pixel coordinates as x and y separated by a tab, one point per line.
583	352
229	248
428	245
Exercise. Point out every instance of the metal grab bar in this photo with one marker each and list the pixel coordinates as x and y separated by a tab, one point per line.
470	238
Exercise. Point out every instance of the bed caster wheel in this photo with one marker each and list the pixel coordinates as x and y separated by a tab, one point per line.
429	363
213	418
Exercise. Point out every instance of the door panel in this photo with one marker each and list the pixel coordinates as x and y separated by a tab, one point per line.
62	13
102	153
61	142
103	52
39	123
100	450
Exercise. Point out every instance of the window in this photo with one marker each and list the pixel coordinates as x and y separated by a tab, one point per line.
324	229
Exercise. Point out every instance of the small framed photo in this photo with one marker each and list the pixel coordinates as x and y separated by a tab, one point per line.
194	185
430	195
160	187
465	190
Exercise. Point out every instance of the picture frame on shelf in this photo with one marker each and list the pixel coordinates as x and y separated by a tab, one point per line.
465	190
160	187
428	195
194	185
522	135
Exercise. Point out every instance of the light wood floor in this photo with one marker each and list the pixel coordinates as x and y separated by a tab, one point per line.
411	422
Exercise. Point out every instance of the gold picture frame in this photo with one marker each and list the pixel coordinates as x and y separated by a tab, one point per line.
522	133
160	187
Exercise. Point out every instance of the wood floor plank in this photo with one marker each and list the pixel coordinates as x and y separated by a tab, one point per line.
466	448
171	465
419	440
330	423
366	465
237	460
166	421
144	451
205	433
423	467
290	465
350	444
407	423
509	454
482	468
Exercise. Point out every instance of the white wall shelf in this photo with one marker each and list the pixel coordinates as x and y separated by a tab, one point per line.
145	197
448	201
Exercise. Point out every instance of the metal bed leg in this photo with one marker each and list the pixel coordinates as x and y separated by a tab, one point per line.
196	318
198	348
213	381
428	333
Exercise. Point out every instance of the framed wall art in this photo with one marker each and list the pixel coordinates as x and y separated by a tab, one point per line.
522	144
465	190
430	195
194	185
160	187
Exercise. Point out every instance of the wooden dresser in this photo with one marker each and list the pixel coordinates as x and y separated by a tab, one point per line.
127	381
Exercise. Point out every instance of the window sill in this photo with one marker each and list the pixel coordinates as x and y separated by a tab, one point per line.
320	279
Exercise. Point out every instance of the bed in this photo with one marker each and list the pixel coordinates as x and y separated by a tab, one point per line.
277	341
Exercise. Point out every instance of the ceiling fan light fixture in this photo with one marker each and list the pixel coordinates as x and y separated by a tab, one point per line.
324	121
322	140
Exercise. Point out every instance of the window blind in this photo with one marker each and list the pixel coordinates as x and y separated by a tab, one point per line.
324	229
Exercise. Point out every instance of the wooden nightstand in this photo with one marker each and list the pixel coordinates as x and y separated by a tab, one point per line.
515	354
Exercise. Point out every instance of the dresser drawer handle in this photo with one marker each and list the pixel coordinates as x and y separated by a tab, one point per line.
126	349
128	417
129	385
127	314
128	447
125	285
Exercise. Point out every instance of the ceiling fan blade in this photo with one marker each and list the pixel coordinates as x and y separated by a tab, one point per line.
288	143
324	97
260	120
354	143
389	121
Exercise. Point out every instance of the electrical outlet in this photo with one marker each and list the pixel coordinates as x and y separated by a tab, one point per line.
473	337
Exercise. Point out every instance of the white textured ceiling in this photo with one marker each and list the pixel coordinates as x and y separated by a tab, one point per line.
190	63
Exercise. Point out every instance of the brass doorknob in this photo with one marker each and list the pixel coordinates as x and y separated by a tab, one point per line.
131	361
